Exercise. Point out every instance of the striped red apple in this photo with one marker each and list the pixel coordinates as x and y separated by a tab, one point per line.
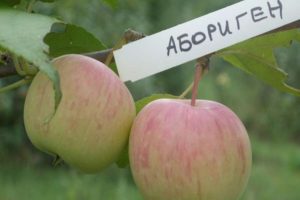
91	125
183	152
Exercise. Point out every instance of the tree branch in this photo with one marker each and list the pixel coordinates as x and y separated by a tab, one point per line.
99	55
290	26
9	69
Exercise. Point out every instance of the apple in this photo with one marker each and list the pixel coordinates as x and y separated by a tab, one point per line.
183	152
91	125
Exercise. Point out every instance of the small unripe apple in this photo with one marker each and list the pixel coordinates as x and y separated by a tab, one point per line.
183	152
91	125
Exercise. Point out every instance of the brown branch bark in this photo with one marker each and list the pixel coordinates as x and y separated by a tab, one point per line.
100	55
9	70
290	26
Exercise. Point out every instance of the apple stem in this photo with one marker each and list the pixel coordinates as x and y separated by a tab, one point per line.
201	66
197	78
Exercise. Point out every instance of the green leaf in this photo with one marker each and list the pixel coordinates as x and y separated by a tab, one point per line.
22	34
9	2
256	57
140	104
67	39
111	3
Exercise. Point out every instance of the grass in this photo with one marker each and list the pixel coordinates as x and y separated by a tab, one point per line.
27	183
276	172
275	176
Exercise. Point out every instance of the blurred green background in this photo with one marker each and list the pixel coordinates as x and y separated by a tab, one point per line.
271	117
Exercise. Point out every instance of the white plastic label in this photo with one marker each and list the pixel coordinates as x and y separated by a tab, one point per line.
202	36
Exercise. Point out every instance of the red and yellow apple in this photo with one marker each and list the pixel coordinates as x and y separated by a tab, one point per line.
91	125
183	152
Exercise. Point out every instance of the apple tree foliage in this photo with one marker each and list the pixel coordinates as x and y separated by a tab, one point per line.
33	39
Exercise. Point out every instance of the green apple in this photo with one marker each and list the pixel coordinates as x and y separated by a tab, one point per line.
91	125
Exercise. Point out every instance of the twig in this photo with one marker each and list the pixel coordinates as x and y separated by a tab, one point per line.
186	91
290	26
30	6
15	85
99	55
8	69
